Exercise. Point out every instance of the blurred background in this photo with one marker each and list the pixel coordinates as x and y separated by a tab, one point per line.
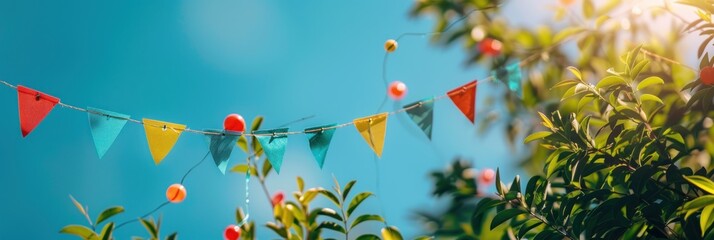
194	62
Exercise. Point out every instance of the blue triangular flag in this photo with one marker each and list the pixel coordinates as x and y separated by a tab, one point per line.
511	76
221	146
422	113
320	138
105	126
273	142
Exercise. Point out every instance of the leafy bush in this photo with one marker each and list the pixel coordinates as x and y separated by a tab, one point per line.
624	149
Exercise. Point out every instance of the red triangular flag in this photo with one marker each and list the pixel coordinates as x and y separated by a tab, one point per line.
465	99
33	106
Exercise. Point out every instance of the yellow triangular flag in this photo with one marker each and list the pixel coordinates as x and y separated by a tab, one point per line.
373	129
161	137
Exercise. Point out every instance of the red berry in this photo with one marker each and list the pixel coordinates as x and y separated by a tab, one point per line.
176	193
490	47
487	175
232	232
277	198
397	90
707	76
234	122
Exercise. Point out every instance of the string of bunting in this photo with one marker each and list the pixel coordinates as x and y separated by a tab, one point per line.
34	106
161	136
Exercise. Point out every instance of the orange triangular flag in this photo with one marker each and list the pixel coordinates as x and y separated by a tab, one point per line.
161	137
465	99
33	107
373	129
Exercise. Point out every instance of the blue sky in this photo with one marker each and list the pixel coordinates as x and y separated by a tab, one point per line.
193	62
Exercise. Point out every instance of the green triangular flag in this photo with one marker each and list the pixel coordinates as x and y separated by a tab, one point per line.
273	142
422	113
221	146
320	138
511	76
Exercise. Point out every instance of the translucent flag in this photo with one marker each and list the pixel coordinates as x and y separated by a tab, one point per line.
320	138
105	127
221	146
161	137
511	76
373	129
273	143
422	113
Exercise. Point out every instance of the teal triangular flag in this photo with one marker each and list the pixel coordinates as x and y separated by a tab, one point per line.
320	138
273	142
105	126
221	146
422	113
511	76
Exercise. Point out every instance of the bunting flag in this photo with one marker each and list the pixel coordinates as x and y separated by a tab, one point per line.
221	146
511	75
33	107
105	127
373	129
161	137
320	138
465	99
422	113
273	142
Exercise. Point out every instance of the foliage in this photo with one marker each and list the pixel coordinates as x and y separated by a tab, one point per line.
89	232
599	30
623	149
458	184
297	219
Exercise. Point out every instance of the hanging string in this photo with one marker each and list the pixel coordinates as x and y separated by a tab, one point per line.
167	202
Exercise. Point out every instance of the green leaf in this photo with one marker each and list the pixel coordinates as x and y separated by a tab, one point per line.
567	32
280	231
301	184
80	231
546	122
266	167
565	83
499	185
651	98
78	205
368	237
356	201
505	215
348	187
391	233
527	226
242	168
699	202
588	8
107	231
109	212
537	135
329	212
332	226
150	226
330	196
650	81
610	81
364	218
575	72
173	236
702	183
706	219
242	143
257	121
309	195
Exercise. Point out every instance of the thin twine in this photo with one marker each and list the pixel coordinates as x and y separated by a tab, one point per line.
167	202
